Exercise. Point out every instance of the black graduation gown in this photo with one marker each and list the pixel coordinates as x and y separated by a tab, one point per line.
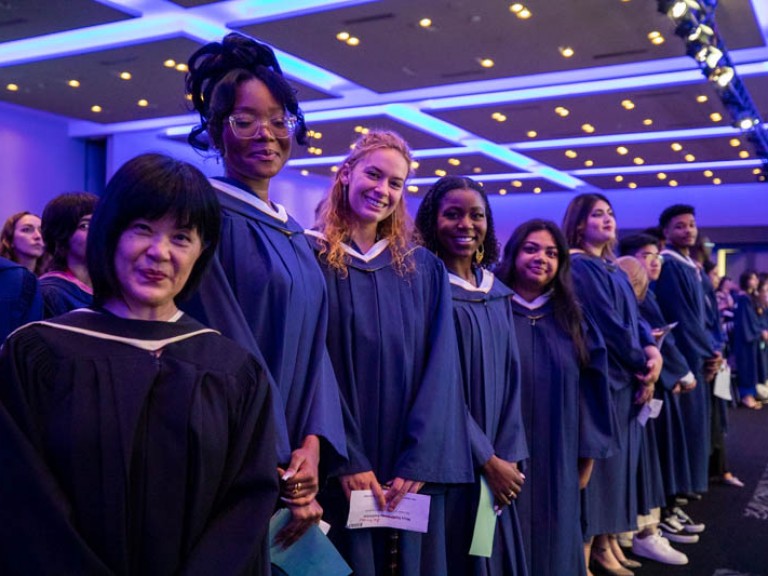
133	448
568	414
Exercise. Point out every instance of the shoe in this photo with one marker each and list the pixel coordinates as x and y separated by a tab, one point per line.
599	569
624	539
751	403
689	525
681	501
673	534
657	548
762	392
692	496
672	523
629	563
731	480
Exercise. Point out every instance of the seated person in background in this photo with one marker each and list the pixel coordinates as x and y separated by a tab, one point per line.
66	284
19	297
22	242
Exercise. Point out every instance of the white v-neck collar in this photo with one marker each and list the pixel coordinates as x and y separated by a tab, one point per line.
534	304
251	199
372	253
486	283
687	260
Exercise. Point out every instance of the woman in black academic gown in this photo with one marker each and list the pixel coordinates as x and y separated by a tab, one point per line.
566	400
455	222
634	364
136	441
393	346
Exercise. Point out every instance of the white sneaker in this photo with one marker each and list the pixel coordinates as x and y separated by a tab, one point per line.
687	522
762	392
670	531
656	547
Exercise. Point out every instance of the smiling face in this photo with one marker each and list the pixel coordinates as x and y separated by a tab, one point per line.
681	231
536	263
375	185
600	226
256	160
27	237
461	224
153	261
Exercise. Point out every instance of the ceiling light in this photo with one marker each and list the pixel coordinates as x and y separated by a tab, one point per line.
676	146
588	128
716	181
571	153
747	123
722	76
709	55
12	87
516	7
74	83
359	129
628	104
673	183
181	67
638	160
655	37
699	31
486	62
440	172
562	111
425	22
623	150
413	189
305	172
334	169
756	171
689	158
498	116
477	170
679	8
353	41
531	134
170	63
342	36
632	185
143	103
317	135
716	116
735	142
415	164
661	176
566	51
619	178
503	191
454	161
96	108
537	190
517	183
743	154
708	173
125	75
589	163
701	98
524	14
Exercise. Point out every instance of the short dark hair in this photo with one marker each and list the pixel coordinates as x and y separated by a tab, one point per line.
576	217
629	245
567	310
216	71
744	279
61	217
151	186
674	210
426	217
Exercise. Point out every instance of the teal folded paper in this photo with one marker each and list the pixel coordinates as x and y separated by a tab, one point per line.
312	554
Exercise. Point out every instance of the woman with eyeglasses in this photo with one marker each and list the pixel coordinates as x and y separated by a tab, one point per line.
265	289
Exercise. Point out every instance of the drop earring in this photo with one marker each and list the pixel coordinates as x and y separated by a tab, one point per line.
480	254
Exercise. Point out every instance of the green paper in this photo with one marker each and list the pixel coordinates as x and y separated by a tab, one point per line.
312	554
485	523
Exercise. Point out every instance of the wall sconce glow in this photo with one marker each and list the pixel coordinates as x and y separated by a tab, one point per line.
125	75
566	51
486	62
96	109
74	83
170	63
142	103
12	87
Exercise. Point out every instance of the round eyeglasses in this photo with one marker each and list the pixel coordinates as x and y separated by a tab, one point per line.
651	256
247	126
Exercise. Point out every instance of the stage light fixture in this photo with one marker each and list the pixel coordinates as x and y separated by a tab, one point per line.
722	76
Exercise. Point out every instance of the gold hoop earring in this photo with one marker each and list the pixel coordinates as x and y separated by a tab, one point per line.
480	254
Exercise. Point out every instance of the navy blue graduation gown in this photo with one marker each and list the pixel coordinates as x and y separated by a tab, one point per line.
490	369
133	448
393	346
61	295
610	499
265	291
747	335
568	414
669	428
680	294
20	300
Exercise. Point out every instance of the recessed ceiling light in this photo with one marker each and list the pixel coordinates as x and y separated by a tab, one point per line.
673	183
689	157
756	171
743	154
656	38
425	22
588	128
486	62
517	183
571	153
170	63
342	36
317	135
12	87
524	14
353	41
562	111
415	164
531	134
588	163
747	123
361	129
440	172
477	170
623	150
454	161
334	169
143	103
628	104
716	116
619	178
74	83
499	117
503	191
735	142
708	173
125	75
181	67
96	108
716	181
701	98
661	176
566	51
516	7
632	185
638	160
413	189
648	122
676	146
305	172
537	190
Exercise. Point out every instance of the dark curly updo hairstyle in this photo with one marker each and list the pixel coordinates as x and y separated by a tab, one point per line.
216	71
426	217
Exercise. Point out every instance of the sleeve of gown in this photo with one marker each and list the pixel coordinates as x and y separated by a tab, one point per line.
645	333
598	302
675	366
435	444
214	304
235	539
677	306
597	417
37	536
357	460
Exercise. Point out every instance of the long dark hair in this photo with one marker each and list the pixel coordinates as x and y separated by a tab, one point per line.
567	309
575	220
61	217
426	217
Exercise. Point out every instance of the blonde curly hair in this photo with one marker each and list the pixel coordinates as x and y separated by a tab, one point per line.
335	217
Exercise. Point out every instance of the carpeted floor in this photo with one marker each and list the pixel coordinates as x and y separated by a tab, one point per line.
735	542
